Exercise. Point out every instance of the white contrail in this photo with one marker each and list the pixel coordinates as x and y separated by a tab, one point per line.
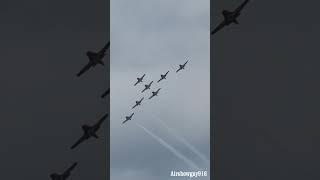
184	141
170	148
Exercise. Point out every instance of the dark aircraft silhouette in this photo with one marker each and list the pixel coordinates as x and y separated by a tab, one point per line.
89	131
230	17
139	80
105	93
64	175
128	118
147	86
94	59
154	93
163	76
182	66
138	103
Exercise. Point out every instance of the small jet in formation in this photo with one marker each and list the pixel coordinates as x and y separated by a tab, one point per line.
230	17
94	59
138	103
139	80
105	93
147	86
128	118
163	76
89	131
182	66
154	93
64	175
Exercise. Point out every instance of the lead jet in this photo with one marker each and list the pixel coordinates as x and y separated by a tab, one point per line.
181	66
138	103
64	175
147	86
154	93
105	93
90	131
163	76
139	80
128	118
230	17
94	59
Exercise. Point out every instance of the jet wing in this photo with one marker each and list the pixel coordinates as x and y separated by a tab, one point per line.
84	69
105	48
124	121
83	138
136	83
134	106
241	6
101	120
151	96
219	27
68	171
105	93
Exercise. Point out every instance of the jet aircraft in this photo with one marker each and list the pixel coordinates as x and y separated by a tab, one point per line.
138	103
154	93
230	17
163	76
90	131
64	175
128	118
182	66
94	59
147	86
139	80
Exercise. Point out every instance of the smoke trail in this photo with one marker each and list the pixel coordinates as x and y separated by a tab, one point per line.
170	148
184	141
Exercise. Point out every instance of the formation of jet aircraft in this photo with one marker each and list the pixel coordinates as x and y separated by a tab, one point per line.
154	93
90	131
128	118
138	103
230	17
147	86
163	76
94	59
139	80
181	66
64	175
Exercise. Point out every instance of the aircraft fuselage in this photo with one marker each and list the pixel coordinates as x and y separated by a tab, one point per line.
95	58
230	17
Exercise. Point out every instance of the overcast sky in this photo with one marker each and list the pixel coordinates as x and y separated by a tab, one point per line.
153	37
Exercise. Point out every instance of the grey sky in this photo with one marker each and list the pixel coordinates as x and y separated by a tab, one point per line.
153	37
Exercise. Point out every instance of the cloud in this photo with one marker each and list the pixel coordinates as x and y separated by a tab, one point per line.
152	37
